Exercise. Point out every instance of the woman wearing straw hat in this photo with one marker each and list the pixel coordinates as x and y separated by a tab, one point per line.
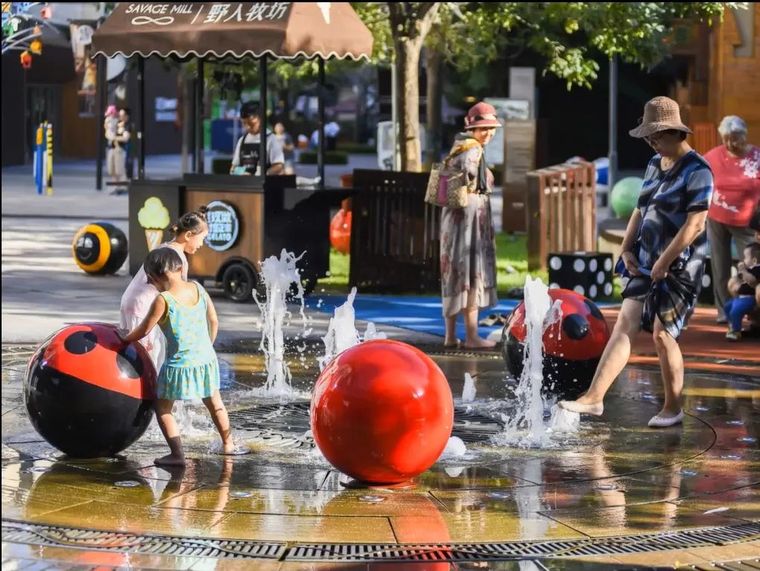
468	247
664	254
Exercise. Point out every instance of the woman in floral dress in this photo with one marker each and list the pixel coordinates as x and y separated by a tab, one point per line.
468	247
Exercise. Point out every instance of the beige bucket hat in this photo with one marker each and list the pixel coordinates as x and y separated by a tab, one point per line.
660	114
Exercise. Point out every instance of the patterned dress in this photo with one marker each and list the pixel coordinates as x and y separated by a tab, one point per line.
191	369
135	306
667	198
468	247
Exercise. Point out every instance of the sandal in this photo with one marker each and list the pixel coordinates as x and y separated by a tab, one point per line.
489	321
456	345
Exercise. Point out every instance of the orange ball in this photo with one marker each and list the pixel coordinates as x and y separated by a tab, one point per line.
382	412
340	231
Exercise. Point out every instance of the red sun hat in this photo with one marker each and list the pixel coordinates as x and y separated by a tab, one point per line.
481	115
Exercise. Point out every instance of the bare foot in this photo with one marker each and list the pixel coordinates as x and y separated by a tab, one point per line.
479	343
449	343
170	460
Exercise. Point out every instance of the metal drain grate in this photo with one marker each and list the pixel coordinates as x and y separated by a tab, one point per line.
524	550
34	534
285	425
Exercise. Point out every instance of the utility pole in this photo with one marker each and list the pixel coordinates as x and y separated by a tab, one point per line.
613	153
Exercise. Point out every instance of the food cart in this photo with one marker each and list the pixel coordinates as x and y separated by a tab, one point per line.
250	217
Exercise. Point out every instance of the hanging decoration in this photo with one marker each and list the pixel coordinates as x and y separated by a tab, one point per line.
22	28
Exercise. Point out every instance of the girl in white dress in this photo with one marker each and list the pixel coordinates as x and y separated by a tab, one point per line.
189	233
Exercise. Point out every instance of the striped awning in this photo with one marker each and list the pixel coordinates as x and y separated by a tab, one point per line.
281	30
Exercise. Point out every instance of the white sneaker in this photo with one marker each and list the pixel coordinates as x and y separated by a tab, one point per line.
658	421
595	409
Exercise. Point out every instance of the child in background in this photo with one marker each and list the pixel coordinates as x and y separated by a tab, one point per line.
189	233
743	287
186	315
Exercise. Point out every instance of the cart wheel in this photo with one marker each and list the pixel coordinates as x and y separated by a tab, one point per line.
238	281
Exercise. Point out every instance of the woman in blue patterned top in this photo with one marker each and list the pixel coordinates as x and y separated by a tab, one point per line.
188	319
663	256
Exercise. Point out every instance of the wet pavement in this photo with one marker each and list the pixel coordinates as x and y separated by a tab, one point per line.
604	486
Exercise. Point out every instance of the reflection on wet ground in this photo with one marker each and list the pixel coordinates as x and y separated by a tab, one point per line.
616	477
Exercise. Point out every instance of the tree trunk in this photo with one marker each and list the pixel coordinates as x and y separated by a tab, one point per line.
434	92
408	100
412	20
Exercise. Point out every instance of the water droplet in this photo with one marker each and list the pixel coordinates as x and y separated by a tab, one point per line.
241	494
371	499
747	439
38	469
499	495
127	484
701	408
688	473
606	487
735	422
730	457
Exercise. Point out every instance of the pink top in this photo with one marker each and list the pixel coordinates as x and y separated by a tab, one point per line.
737	186
140	294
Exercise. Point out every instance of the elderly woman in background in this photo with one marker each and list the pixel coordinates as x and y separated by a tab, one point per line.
468	247
736	167
664	252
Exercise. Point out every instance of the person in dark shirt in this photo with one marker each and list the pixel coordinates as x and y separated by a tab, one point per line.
743	287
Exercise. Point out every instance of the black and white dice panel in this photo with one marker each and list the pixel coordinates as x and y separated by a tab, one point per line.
586	273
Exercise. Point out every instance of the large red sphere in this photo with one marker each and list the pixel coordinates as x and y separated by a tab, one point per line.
340	231
572	345
382	412
87	393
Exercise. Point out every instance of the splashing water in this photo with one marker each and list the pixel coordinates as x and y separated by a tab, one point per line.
371	333
525	427
278	275
342	333
468	392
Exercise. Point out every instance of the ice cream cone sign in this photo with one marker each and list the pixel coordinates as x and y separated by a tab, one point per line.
154	218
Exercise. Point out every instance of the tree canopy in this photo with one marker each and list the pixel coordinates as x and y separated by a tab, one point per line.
567	34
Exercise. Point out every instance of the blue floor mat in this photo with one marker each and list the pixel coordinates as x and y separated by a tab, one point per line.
423	314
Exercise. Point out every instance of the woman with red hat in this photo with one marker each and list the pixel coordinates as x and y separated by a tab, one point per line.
468	247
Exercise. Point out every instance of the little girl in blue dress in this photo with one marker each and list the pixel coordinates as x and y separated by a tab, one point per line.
187	317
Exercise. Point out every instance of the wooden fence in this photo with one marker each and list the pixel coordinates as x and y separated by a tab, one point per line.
704	137
561	211
394	233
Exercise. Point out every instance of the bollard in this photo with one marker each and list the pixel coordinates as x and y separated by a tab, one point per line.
43	159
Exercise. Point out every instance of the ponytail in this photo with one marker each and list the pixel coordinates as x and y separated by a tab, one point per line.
193	222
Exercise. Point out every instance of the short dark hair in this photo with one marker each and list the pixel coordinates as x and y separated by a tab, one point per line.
249	109
678	132
161	261
754	249
126	110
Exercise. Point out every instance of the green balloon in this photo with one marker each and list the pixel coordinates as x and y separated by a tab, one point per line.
624	196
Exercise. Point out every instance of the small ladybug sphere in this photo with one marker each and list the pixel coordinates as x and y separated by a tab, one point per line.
87	393
572	345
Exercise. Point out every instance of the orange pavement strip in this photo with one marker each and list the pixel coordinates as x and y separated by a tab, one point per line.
703	344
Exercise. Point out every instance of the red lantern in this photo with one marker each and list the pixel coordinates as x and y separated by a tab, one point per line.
26	59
